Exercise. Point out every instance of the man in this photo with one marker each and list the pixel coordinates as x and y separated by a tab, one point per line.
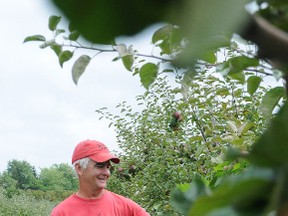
91	160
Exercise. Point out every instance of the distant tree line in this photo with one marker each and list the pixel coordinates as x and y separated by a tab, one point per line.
53	183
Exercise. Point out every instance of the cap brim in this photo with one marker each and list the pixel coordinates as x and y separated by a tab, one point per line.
104	157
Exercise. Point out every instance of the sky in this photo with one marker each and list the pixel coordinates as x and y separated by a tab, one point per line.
43	114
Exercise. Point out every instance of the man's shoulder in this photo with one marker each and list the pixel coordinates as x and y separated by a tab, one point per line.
115	196
72	198
66	203
126	204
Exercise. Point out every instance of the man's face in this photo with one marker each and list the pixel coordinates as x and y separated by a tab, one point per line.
96	175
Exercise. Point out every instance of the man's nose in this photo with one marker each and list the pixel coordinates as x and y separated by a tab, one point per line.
107	169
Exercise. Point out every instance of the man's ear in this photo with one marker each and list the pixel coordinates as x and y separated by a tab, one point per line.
78	169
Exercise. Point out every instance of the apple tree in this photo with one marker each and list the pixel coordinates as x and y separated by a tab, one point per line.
190	43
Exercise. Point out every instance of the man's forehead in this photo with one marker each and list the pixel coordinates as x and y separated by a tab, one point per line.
95	162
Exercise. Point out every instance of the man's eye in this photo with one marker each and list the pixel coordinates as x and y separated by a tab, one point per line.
102	165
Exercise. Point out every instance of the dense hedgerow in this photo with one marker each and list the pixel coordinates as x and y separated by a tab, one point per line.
24	204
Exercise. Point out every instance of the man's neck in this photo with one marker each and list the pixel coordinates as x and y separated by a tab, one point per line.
90	194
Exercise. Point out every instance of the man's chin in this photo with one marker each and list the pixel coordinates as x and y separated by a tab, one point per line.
102	184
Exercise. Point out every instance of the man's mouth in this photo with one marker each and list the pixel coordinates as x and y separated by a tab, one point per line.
102	179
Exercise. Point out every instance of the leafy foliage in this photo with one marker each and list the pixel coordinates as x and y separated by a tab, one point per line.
169	42
133	17
171	140
23	204
23	173
271	100
24	192
53	183
187	49
58	178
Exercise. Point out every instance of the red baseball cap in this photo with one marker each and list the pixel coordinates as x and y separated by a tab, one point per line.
95	150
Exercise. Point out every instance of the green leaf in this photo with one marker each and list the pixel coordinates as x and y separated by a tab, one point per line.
47	44
71	27
79	67
128	61
253	83
165	47
239	63
148	74
126	54
34	38
224	211
109	22
188	77
280	195
168	39
74	35
183	187
234	154
218	17
183	197
277	74
59	31
244	128
209	57
232	127
240	76
242	191
116	58
65	56
271	149
270	101
56	48
162	33
176	38
53	22
222	92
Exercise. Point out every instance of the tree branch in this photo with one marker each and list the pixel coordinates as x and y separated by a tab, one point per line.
272	42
